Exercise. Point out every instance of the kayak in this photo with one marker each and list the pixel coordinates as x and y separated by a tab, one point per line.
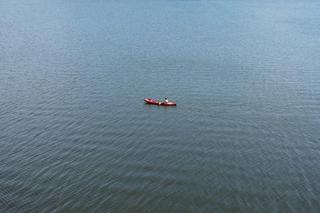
160	103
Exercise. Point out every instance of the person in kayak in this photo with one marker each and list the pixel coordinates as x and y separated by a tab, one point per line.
166	100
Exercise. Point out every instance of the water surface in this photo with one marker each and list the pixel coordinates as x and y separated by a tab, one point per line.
76	136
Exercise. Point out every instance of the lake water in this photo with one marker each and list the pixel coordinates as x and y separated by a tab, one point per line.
76	136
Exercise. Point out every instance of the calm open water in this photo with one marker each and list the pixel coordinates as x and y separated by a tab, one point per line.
75	135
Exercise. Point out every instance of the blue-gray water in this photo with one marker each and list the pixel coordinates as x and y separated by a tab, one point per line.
75	135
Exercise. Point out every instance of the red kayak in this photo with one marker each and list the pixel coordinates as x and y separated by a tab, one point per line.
160	103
